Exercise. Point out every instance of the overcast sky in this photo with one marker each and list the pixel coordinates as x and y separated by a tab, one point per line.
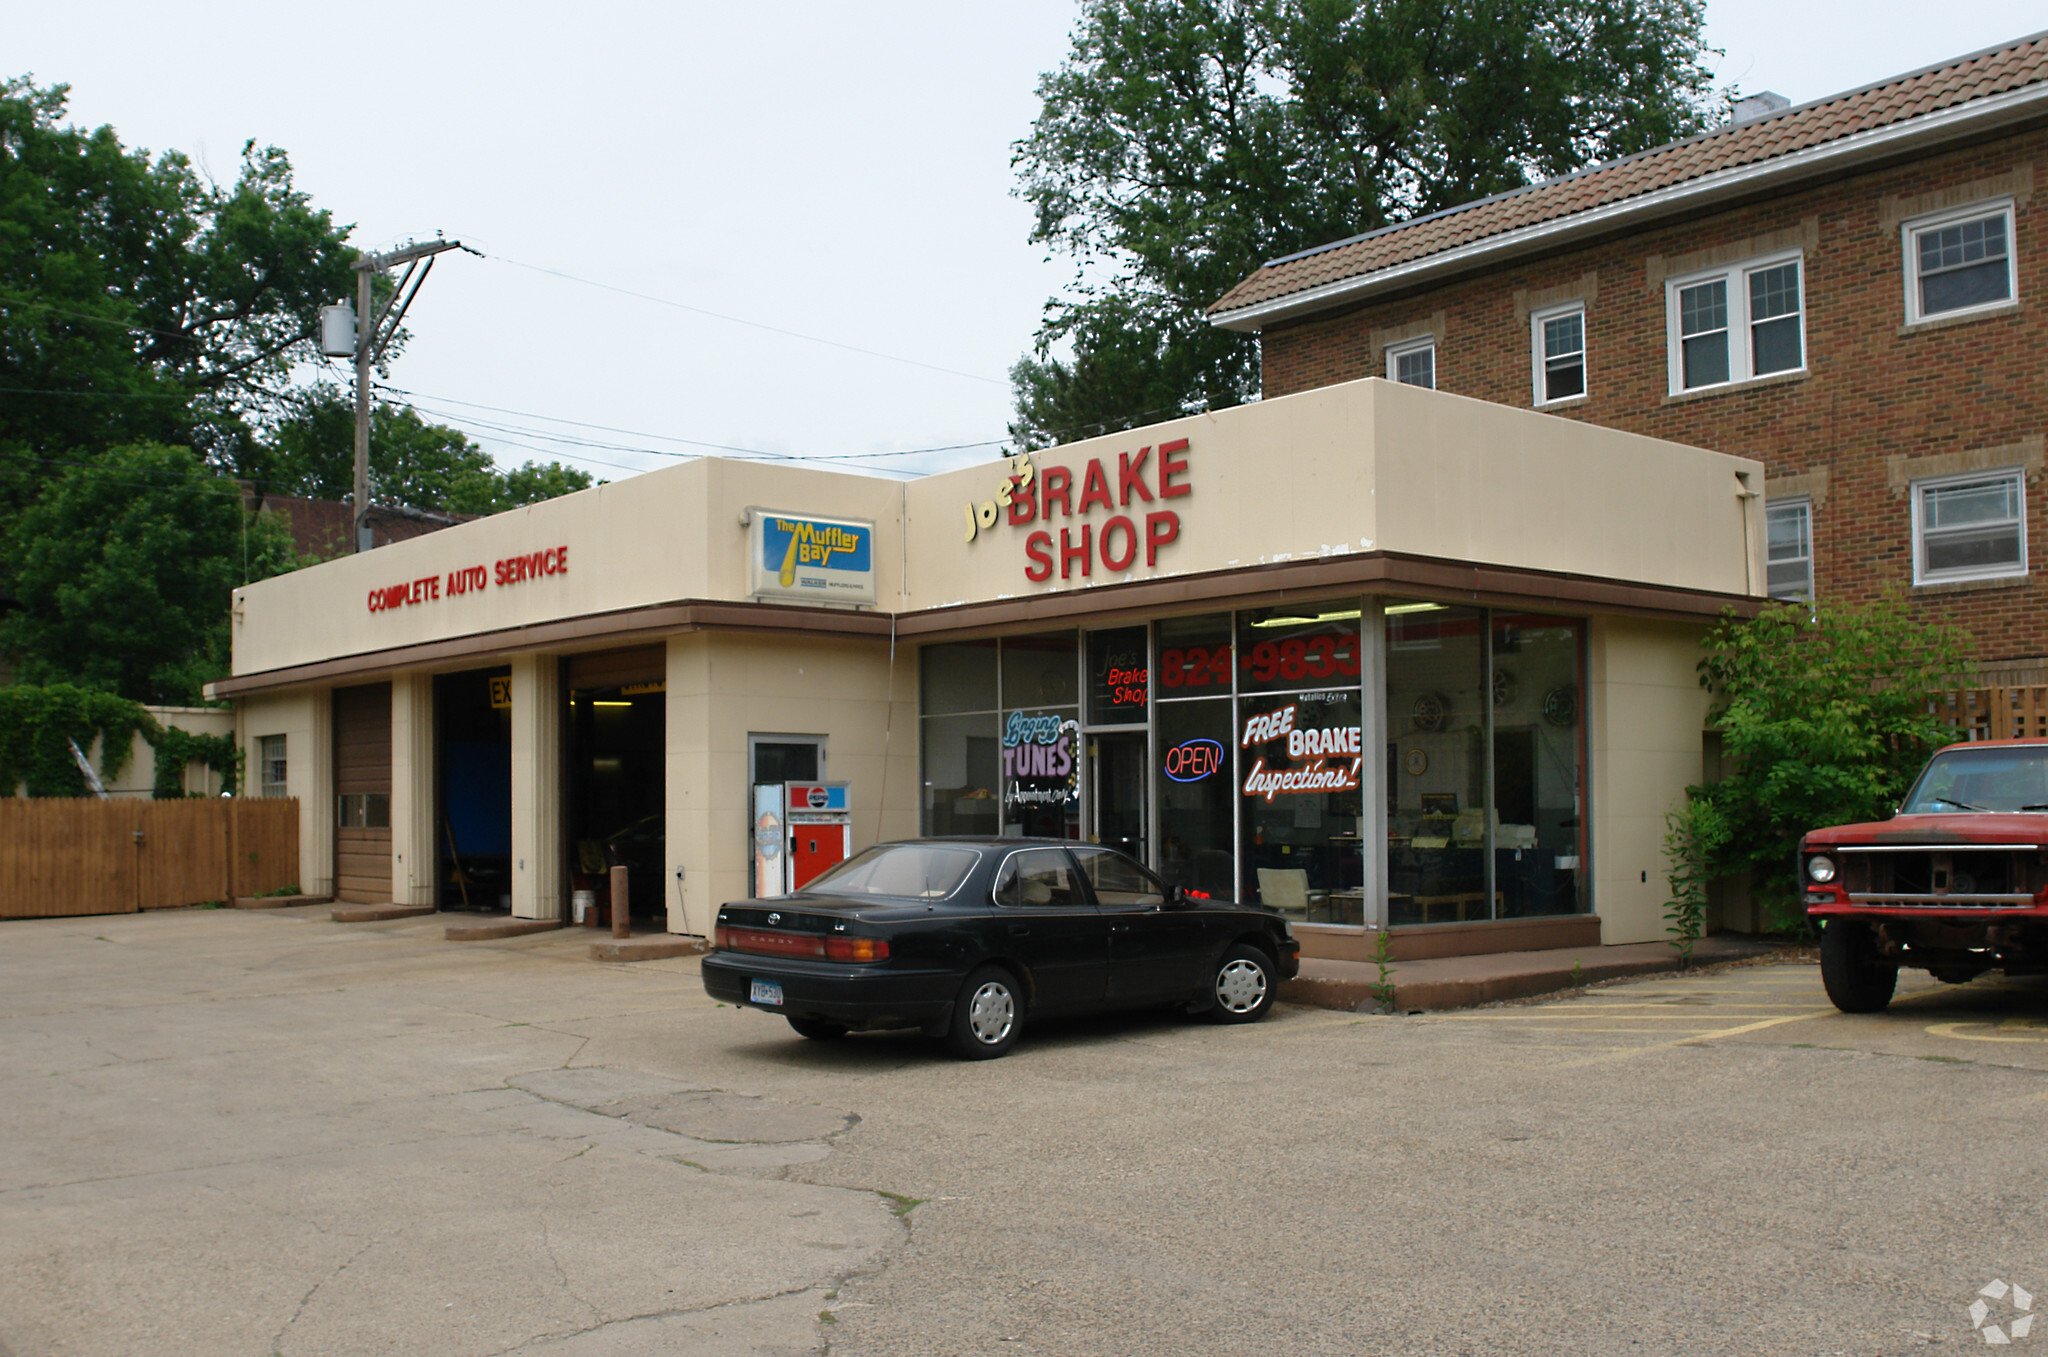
833	170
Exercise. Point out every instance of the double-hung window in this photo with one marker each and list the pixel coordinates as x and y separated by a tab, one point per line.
1970	527
271	764
1557	352
1788	530
1958	262
1413	363
1736	323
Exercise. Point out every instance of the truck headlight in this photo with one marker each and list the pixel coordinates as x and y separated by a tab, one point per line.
1821	868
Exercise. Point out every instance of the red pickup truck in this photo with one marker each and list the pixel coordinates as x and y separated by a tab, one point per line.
1955	883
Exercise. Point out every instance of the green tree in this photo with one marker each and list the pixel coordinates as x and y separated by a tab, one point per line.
124	571
1185	142
1824	718
311	452
139	301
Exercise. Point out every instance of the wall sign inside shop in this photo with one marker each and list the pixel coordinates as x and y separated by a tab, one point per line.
1039	763
1300	753
1126	528
1118	681
470	579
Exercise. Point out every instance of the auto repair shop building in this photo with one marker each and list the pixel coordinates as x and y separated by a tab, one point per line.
1378	656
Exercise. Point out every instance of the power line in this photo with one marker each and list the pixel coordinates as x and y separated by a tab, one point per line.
416	396
752	324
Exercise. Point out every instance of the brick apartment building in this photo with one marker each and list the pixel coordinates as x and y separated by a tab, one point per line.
1853	291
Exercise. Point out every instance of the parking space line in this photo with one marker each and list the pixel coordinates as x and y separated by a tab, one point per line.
1696	1040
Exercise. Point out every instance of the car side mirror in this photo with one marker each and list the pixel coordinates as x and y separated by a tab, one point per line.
1179	898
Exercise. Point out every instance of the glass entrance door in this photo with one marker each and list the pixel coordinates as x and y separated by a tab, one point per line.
1117	787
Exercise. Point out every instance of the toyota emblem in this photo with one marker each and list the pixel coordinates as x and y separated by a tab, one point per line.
774	919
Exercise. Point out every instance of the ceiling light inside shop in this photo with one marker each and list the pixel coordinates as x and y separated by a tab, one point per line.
610	704
1396	609
1310	621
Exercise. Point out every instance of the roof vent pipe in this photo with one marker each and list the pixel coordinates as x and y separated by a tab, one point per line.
1751	107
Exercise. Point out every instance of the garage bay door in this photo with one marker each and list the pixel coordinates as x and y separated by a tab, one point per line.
362	787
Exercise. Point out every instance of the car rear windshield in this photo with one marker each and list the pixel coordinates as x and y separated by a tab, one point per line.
2008	779
918	871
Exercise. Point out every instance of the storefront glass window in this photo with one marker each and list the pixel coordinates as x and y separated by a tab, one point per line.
1041	759
1040	671
1538	773
1300	764
1118	677
954	678
1194	740
962	768
1436	764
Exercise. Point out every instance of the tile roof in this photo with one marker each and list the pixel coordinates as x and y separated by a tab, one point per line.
1991	72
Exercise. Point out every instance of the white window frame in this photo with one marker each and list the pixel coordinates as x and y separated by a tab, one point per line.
1922	575
1539	359
1742	356
1803	502
1396	352
1909	246
264	762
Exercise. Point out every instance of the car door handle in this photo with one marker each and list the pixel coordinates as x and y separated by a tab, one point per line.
1119	928
1020	930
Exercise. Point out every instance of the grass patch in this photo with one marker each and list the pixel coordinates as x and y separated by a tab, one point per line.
900	1205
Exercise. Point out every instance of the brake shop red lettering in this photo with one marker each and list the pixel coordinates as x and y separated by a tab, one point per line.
1114	543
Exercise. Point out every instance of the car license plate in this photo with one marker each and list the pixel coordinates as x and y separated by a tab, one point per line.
765	992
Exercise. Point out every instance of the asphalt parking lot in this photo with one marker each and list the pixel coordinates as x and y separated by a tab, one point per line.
268	1133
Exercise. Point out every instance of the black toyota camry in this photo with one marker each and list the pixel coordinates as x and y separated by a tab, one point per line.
970	938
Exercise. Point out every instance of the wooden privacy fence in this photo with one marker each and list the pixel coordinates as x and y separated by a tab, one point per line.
1995	713
61	857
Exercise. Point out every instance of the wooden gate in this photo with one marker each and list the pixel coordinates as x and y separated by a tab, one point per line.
63	857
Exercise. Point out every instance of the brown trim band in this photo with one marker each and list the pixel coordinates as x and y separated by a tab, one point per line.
589	632
1371	572
1253	586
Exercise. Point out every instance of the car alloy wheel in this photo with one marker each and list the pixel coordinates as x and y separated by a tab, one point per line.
985	1016
1243	989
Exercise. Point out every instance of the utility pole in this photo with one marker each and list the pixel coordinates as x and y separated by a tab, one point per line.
371	339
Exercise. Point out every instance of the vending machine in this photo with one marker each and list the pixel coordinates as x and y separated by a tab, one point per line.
800	830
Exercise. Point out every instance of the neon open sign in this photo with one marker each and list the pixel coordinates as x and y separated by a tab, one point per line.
1193	760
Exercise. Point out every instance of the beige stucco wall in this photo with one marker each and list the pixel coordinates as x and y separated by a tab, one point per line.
1646	714
724	687
138	779
666	535
301	715
1373	465
1365	466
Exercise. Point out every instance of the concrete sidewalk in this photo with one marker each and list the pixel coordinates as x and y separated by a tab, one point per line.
1463	981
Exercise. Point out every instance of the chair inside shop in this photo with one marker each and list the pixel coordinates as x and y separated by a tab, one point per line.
1286	889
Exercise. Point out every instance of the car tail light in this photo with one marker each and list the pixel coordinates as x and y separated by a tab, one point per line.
766	942
856	949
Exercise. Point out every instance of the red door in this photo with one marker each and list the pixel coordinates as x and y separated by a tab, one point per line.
813	848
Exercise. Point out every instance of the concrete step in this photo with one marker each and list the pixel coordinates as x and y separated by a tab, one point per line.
278	901
654	947
496	926
367	914
1465	981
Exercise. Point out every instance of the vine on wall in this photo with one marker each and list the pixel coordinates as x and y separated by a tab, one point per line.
36	724
175	748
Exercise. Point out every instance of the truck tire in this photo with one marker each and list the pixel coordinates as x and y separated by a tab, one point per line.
1856	975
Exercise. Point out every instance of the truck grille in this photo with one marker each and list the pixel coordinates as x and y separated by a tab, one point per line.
1991	877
